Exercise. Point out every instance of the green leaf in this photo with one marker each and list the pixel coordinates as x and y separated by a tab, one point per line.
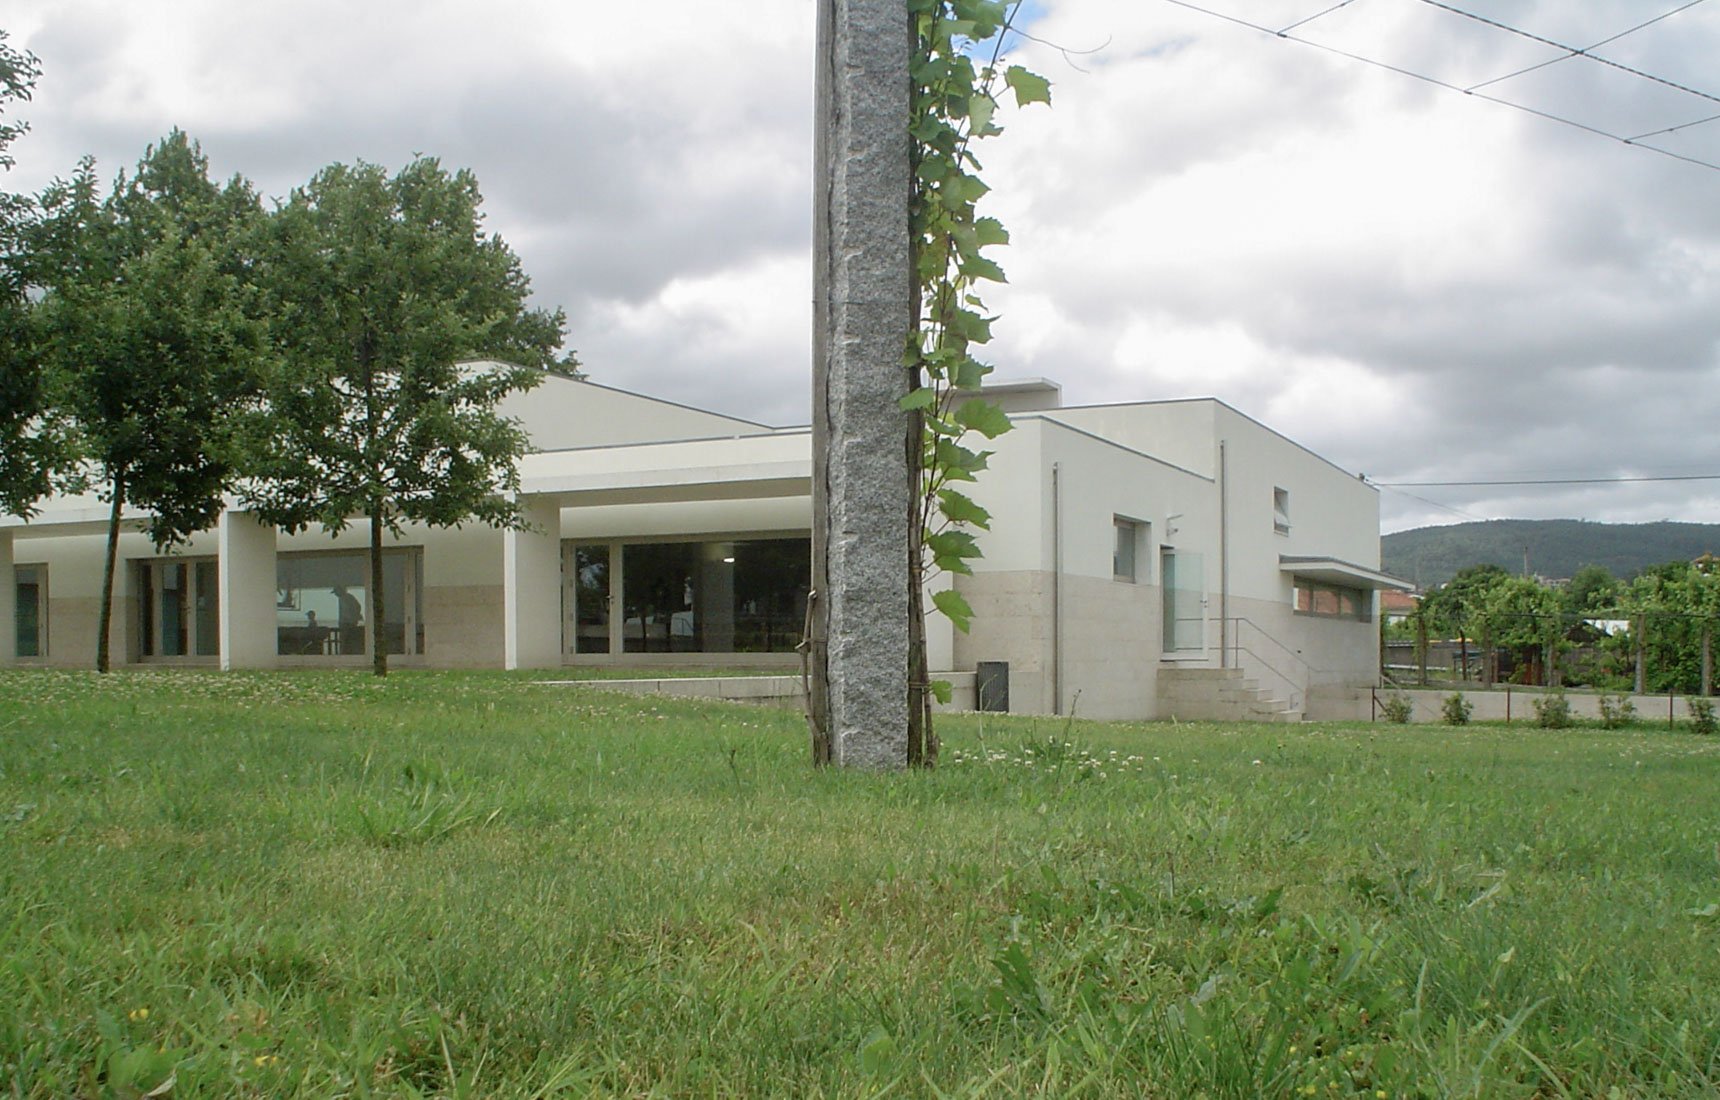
942	690
982	416
957	462
990	231
968	374
957	508
978	267
1028	87
953	607
967	325
980	111
951	549
923	398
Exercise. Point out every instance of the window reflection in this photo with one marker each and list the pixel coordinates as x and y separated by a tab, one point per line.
725	596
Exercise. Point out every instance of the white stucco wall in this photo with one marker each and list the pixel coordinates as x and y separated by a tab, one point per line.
561	412
1044	594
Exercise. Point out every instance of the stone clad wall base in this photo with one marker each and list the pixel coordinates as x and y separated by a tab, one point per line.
1219	695
1110	642
72	628
463	626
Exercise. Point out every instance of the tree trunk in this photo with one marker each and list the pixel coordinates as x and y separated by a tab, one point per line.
378	640
1642	654
1421	649
1707	658
105	617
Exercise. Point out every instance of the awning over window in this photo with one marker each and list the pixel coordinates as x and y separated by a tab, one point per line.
1333	571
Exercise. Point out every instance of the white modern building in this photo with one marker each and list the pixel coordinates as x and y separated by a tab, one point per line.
1145	560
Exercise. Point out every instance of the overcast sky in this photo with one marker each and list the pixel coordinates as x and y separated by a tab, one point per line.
1418	284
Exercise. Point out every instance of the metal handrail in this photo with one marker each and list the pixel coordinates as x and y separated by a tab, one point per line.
1297	691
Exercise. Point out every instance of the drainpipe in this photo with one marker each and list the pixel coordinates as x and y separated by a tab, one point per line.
1056	591
1224	560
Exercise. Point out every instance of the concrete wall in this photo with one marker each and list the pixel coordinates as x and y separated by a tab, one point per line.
1332	513
463	598
1012	622
1519	705
1045	597
562	413
695	519
1322	665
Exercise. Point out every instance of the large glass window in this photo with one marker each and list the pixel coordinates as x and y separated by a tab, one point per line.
727	596
771	579
31	610
323	604
589	566
178	607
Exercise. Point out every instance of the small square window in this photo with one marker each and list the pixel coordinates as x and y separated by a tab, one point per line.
1281	511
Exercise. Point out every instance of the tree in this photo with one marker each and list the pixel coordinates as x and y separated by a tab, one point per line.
32	444
379	288
147	335
1672	608
1457	607
1592	590
1523	614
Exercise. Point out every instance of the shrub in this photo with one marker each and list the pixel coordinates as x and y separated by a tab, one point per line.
1395	708
1617	711
1553	712
1457	709
1702	715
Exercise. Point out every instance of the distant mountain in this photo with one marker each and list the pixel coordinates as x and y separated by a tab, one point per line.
1555	547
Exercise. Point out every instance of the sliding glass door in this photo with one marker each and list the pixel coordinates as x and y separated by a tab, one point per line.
177	609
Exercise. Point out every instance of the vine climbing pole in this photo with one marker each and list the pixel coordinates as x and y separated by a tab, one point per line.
857	643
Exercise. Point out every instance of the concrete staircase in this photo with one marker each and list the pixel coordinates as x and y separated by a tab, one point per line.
1219	695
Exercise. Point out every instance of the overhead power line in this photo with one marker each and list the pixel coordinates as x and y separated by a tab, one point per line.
1635	142
1542	481
1572	51
1586	51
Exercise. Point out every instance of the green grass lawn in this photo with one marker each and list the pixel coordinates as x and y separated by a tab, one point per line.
441	884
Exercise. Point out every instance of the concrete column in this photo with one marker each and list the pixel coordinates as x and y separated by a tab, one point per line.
617	604
863	316
716	597
8	598
245	550
531	587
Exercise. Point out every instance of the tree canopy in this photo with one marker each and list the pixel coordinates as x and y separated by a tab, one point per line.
383	291
145	329
31	447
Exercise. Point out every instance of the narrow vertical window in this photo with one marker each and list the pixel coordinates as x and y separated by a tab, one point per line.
1123	549
1281	511
31	610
